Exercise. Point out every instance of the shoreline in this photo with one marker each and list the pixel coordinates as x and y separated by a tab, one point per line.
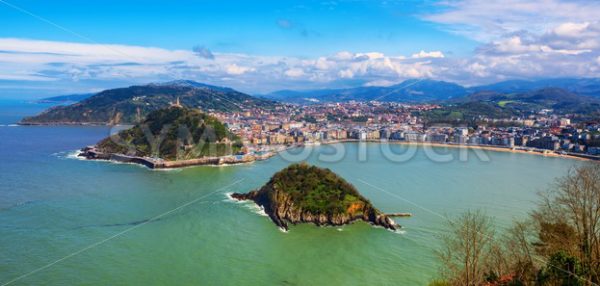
494	148
90	153
22	123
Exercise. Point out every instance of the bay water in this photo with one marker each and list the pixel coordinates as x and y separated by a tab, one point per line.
70	221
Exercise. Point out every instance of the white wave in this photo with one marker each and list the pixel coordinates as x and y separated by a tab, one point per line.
259	210
176	170
231	199
74	155
340	229
283	230
12	125
247	204
399	231
68	155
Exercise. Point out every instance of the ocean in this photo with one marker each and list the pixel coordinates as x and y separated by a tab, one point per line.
69	221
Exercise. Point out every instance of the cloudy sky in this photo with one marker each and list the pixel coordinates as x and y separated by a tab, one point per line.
62	47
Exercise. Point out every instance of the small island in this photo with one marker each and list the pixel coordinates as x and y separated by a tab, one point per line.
172	137
307	194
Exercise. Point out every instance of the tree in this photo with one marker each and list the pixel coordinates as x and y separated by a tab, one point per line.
560	245
562	269
465	249
518	252
569	219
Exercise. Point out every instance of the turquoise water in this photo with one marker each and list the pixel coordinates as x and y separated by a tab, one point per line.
91	219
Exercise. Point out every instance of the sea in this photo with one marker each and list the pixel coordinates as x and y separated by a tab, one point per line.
64	220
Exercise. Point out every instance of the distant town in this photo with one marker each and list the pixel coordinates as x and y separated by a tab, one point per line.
544	132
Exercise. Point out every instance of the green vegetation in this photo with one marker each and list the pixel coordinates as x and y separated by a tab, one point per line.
558	245
301	193
319	191
174	134
309	119
503	103
439	283
475	108
467	113
332	117
361	119
132	104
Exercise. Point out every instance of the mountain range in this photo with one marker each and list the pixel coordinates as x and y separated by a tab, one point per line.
504	99
408	91
581	86
493	104
426	90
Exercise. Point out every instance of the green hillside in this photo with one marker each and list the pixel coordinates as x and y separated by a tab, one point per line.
174	133
496	105
132	104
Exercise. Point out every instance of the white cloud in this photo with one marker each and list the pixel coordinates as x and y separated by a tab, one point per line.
432	54
488	20
571	29
344	56
294	72
569	49
75	62
24	77
323	63
370	56
234	69
382	82
347	73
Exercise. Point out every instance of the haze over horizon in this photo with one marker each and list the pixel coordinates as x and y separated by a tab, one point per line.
55	48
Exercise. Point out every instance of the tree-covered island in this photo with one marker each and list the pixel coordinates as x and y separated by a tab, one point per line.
302	193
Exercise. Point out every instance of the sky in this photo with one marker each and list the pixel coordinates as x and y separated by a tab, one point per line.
62	47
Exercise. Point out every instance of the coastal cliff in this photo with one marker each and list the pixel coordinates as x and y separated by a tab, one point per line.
307	194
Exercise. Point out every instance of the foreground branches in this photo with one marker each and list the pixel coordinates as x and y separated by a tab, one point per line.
558	245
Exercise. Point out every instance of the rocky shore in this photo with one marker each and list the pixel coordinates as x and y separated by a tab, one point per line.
284	208
283	211
92	153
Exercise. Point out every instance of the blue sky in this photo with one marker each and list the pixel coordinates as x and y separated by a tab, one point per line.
56	47
284	28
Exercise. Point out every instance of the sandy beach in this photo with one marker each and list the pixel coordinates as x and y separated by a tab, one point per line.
522	150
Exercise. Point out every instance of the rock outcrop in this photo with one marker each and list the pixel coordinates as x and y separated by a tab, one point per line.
337	202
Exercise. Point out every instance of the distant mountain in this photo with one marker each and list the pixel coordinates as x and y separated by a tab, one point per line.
557	99
415	91
132	104
491	104
300	96
407	91
193	84
582	86
65	98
